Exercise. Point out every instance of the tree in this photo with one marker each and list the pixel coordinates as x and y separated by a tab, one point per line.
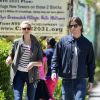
95	4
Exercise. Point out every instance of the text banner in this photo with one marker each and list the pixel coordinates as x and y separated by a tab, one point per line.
48	17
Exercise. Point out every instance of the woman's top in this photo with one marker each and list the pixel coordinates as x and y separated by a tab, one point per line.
42	68
16	53
25	58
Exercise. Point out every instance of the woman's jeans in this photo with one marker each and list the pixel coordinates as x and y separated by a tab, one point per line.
73	89
18	86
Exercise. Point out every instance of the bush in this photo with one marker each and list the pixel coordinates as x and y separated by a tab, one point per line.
97	70
2	95
57	93
5	88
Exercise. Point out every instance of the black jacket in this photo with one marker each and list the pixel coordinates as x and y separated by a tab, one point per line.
62	58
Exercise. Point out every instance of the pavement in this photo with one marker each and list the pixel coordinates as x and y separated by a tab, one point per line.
95	93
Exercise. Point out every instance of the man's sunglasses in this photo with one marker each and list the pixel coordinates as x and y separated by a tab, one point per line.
74	25
26	28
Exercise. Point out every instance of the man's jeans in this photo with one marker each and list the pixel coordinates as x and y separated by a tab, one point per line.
73	89
18	85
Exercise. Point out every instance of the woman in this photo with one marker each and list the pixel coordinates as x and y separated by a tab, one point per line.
42	90
51	84
25	55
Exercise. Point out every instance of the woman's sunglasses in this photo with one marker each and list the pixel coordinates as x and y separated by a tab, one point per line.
74	25
26	28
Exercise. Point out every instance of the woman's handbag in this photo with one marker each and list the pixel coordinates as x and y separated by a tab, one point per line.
33	74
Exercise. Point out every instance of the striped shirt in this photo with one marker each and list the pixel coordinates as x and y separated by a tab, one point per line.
25	58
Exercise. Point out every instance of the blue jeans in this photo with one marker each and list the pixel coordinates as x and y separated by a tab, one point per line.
18	85
73	89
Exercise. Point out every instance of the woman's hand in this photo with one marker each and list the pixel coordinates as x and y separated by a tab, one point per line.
29	66
8	60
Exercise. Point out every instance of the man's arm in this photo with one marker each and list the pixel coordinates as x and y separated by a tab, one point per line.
55	61
91	67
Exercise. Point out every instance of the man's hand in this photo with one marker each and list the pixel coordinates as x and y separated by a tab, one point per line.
53	76
90	87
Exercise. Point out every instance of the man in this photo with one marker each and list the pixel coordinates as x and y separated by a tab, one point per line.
74	61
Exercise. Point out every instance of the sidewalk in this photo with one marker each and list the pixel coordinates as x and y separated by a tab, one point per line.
95	94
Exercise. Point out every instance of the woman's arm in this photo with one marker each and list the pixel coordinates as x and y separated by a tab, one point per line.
34	63
45	68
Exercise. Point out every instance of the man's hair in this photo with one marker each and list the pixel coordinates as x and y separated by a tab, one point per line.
77	20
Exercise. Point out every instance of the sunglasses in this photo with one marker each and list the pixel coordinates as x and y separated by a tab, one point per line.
26	28
75	26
